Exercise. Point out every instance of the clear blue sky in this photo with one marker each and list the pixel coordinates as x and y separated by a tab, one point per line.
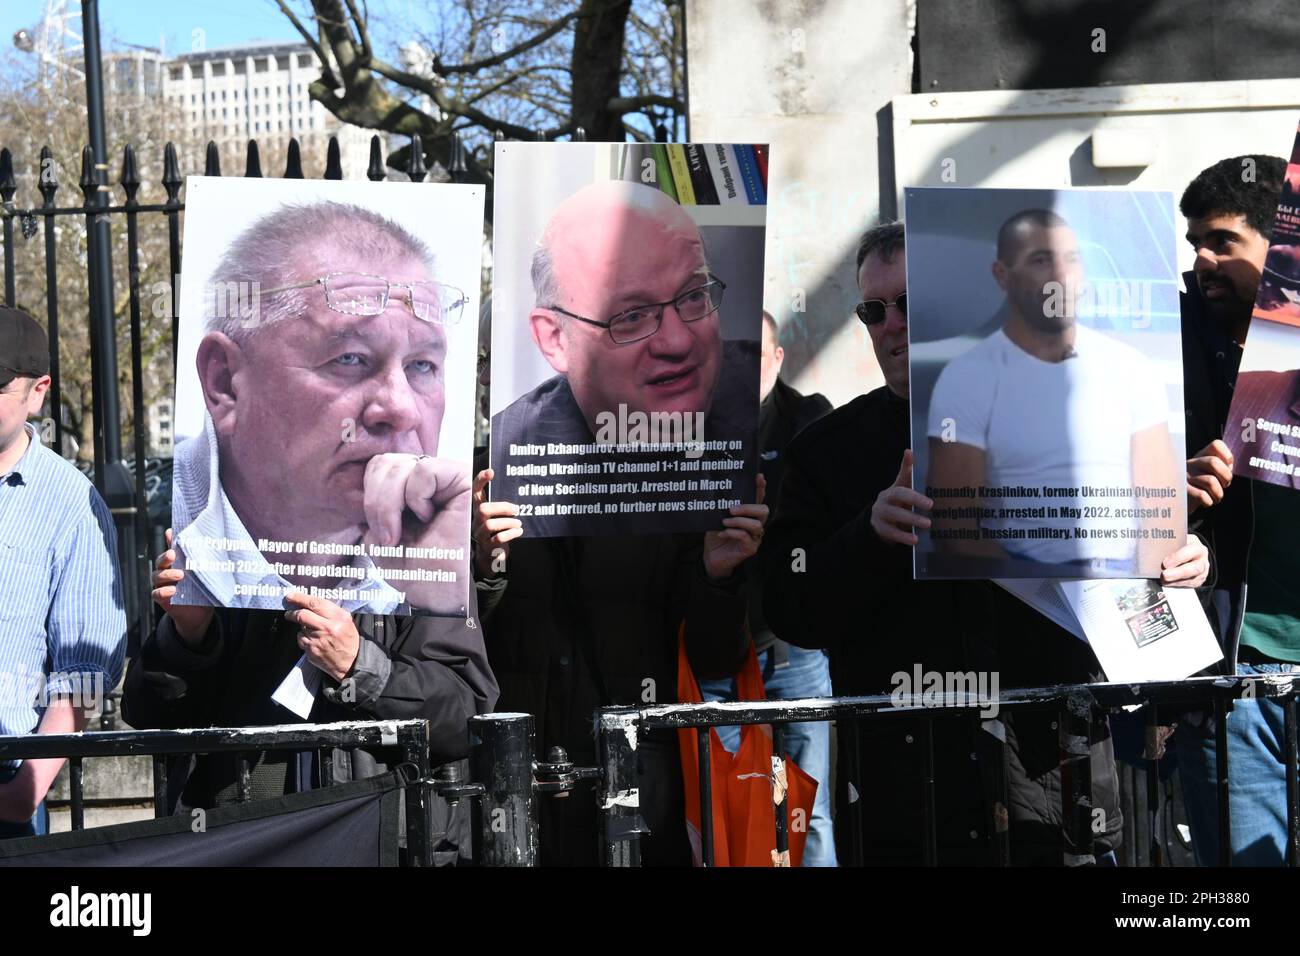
149	22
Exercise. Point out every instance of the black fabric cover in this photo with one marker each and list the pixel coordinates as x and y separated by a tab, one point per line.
352	824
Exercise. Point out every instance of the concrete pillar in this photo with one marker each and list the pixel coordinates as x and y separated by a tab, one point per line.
814	81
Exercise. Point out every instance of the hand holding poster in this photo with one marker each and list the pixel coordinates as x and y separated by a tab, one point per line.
324	412
626	318
1046	382
1263	428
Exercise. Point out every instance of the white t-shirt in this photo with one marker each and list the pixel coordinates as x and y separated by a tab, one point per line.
1057	425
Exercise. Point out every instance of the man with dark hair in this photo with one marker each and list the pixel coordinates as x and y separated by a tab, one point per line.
62	622
789	673
1003	414
1249	525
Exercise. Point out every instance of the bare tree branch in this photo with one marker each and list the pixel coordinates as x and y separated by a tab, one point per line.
477	66
632	104
326	72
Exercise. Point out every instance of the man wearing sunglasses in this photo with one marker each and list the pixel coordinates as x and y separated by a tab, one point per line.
325	396
627	314
837	574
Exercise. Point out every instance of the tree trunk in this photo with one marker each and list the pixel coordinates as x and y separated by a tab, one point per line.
597	66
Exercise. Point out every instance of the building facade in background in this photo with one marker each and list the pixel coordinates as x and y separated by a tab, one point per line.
229	95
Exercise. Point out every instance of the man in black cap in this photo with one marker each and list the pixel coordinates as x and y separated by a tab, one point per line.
62	622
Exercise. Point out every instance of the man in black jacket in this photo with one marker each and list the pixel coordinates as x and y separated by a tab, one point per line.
1249	525
575	624
219	667
837	567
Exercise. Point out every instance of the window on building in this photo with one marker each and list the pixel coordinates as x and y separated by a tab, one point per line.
218	69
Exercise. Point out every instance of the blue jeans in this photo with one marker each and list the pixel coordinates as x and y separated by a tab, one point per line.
38	825
808	674
1256	779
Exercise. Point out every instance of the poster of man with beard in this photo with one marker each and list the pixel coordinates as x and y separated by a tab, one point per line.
1046	382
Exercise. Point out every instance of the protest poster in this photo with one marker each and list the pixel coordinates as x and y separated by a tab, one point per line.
325	393
626	320
1263	428
1045	364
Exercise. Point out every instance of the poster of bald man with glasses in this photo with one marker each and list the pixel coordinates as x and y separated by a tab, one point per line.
627	310
325	394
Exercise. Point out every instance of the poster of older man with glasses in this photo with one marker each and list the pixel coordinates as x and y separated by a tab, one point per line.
627	310
325	394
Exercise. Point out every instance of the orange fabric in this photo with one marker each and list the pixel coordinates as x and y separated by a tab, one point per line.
744	809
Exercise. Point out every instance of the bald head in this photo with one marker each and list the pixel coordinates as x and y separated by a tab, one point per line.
609	248
601	231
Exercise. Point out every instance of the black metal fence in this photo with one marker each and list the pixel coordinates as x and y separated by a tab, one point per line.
408	739
508	780
620	728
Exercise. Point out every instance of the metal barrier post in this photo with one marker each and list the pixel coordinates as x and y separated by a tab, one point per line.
929	823
419	814
620	799
703	735
780	762
852	775
1074	724
1155	854
501	755
1221	780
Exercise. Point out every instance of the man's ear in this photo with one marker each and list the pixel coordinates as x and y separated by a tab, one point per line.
778	356
220	359
1000	274
36	395
548	332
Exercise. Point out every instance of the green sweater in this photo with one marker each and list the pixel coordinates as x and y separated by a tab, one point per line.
1272	621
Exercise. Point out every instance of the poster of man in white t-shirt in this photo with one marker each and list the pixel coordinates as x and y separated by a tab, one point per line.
1047	442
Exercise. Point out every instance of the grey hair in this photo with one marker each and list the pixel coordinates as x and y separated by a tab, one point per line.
267	255
546	290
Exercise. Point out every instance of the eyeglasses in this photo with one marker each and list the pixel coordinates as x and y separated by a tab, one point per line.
873	311
643	321
359	293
